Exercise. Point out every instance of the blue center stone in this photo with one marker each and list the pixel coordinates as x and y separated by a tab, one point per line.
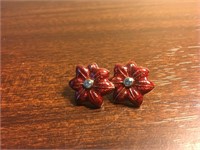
88	83
128	81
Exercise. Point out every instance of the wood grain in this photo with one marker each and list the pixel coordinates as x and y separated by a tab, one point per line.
43	41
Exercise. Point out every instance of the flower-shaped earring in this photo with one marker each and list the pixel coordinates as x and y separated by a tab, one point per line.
90	84
131	83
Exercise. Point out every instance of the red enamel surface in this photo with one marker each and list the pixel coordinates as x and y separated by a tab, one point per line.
100	87
135	92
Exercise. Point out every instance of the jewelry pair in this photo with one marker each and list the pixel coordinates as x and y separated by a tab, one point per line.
128	84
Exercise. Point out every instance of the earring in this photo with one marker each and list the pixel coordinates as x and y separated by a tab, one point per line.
131	83
90	84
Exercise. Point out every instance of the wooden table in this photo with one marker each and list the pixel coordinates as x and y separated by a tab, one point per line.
43	41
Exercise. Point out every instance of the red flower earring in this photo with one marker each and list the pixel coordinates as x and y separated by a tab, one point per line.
90	84
131	83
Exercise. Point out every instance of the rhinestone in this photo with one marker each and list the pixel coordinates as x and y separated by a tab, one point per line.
88	83
128	81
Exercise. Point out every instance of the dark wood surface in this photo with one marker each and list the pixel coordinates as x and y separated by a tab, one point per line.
42	42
